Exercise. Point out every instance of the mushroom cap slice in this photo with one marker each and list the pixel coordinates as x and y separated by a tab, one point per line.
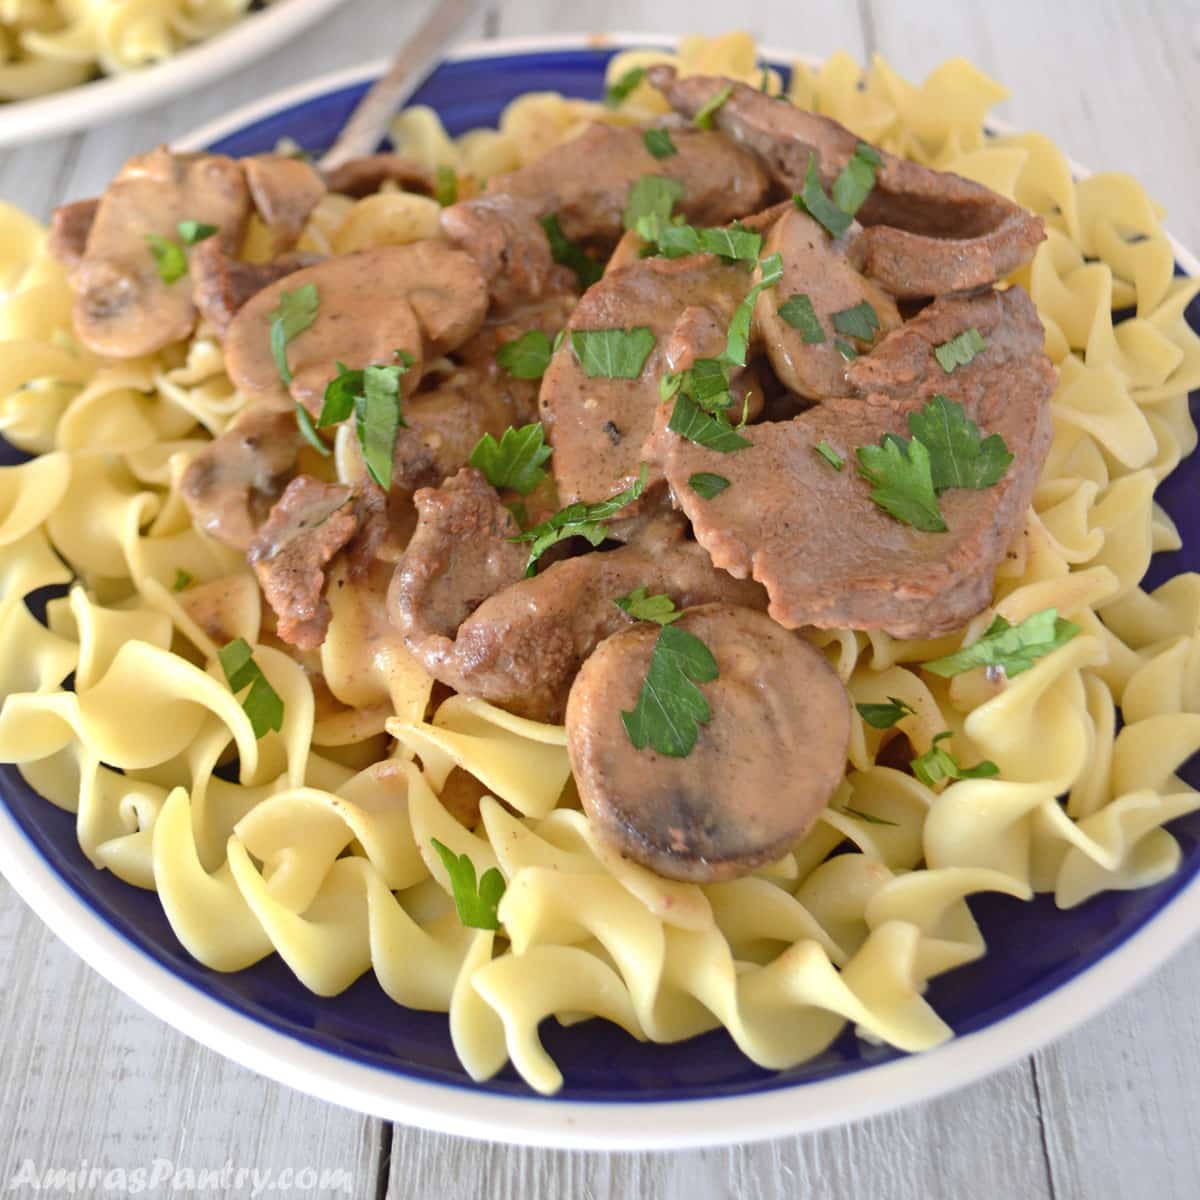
423	298
762	769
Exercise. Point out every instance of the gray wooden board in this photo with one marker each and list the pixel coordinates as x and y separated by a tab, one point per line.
87	1077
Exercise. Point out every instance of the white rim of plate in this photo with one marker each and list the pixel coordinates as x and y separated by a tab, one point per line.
107	99
539	1121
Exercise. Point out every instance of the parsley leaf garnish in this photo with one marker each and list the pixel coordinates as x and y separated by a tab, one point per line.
670	708
308	431
567	254
706	485
710	430
884	716
799	313
651	198
477	905
704	118
195	231
732	243
526	357
1011	648
262	704
515	461
612	353
854	184
706	381
445	189
169	257
578	520
770	273
658	142
959	351
958	456
182	579
899	474
813	201
936	765
846	350
660	609
830	455
296	312
373	395
870	818
618	90
859	322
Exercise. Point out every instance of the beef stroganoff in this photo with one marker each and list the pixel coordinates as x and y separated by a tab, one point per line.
654	560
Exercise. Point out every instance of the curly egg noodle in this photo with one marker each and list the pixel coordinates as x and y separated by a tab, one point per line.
48	45
322	853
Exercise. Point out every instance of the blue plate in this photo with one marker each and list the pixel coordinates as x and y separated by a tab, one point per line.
1032	947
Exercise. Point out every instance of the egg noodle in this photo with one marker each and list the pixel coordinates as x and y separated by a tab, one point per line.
321	852
49	45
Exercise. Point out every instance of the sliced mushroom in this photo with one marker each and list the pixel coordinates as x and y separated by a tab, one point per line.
364	176
423	298
70	225
285	191
123	307
763	767
231	484
822	270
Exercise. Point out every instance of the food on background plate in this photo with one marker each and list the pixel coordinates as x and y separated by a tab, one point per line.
654	560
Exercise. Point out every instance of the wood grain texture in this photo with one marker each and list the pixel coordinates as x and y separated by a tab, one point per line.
1110	1112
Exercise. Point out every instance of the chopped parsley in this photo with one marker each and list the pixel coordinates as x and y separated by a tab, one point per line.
515	461
1009	648
959	457
477	904
296	312
168	256
567	254
770	273
860	322
612	353
855	183
706	381
884	716
658	143
183	579
528	356
641	607
813	201
308	431
846	350
651	199
710	430
959	351
445	189
193	232
830	455
617	91
262	704
799	313
674	240
670	707
704	118
578	520
901	481
937	765
706	484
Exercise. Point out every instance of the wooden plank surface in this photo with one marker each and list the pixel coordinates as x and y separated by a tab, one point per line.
1110	1112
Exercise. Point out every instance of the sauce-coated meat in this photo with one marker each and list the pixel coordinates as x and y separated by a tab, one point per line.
762	770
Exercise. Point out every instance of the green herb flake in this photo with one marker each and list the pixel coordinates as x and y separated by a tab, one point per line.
670	708
578	520
477	904
937	765
960	350
857	179
445	189
617	91
526	357
308	432
297	310
870	818
193	232
567	254
813	201
612	353
515	461
770	273
1009	648
710	430
641	607
846	350
704	118
183	579
733	243
658	143
377	418
959	457
651	199
884	716
901	482
169	257
799	313
706	485
859	322
830	455
262	704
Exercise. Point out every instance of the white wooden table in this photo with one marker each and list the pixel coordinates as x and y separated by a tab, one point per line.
1113	1111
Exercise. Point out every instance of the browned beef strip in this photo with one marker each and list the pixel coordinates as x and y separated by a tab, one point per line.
311	522
70	225
229	486
599	427
927	232
762	768
522	647
222	285
828	555
365	176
